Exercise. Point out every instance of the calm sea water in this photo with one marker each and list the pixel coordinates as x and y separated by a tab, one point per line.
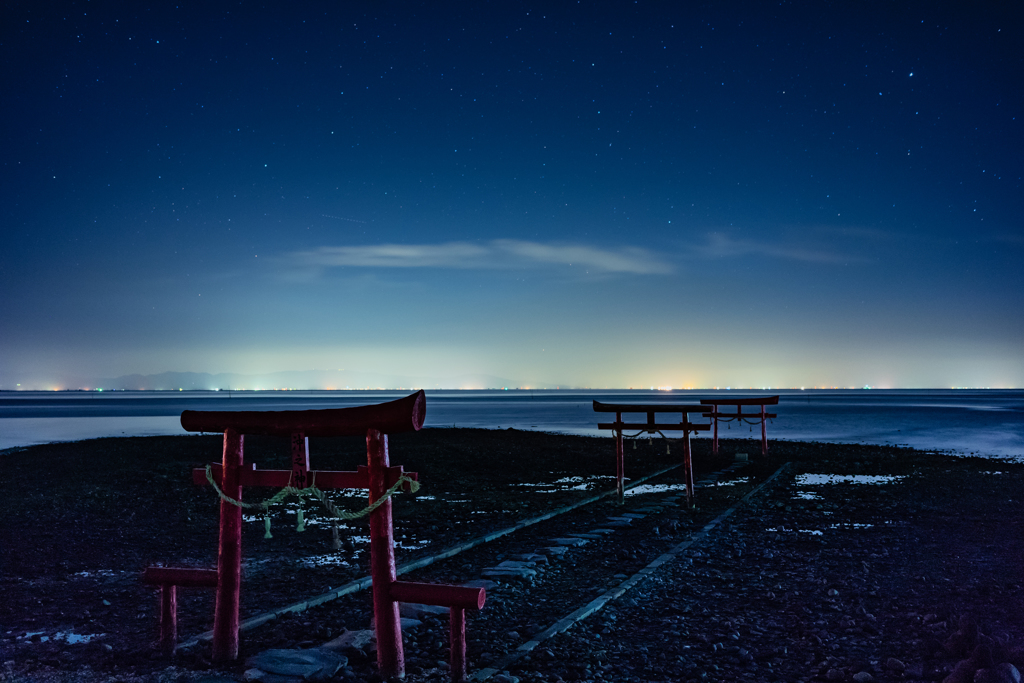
985	422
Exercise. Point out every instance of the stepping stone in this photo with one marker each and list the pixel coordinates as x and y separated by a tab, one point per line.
415	610
285	666
555	552
482	583
633	515
603	532
531	557
516	564
358	641
568	542
407	623
523	574
587	536
622	524
624	519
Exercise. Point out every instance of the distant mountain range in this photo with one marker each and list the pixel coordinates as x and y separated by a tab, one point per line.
296	379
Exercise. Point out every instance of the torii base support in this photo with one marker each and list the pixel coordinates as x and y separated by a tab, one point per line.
169	578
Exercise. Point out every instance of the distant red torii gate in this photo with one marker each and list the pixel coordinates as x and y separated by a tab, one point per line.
740	416
651	427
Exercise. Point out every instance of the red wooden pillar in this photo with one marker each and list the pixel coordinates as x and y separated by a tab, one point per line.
168	618
229	559
764	433
620	468
687	461
714	419
390	654
457	638
300	460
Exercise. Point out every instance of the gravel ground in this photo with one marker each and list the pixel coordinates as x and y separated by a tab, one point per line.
805	581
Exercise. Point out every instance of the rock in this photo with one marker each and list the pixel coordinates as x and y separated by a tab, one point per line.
523	574
1007	673
569	542
964	640
963	672
982	657
1004	673
893	664
516	564
482	583
863	677
357	641
407	624
279	666
415	610
531	557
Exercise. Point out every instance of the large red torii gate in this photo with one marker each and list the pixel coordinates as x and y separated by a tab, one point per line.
373	421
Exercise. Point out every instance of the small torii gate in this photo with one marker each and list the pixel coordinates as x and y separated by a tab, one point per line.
373	421
651	427
740	416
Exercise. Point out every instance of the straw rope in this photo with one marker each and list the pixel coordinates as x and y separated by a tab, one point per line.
310	492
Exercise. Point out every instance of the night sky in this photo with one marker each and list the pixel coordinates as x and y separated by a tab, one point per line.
588	195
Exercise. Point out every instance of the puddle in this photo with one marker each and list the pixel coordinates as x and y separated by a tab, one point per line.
62	636
807	495
653	488
822	479
715	484
782	530
331	560
276	520
818	532
732	482
107	573
570	484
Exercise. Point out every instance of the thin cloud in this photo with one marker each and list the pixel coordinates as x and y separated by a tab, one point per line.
486	255
721	246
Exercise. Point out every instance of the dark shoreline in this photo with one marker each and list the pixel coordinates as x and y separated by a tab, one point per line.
120	504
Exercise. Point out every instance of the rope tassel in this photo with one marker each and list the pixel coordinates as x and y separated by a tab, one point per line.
301	526
266	527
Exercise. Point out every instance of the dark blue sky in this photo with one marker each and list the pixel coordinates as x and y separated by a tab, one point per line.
603	194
